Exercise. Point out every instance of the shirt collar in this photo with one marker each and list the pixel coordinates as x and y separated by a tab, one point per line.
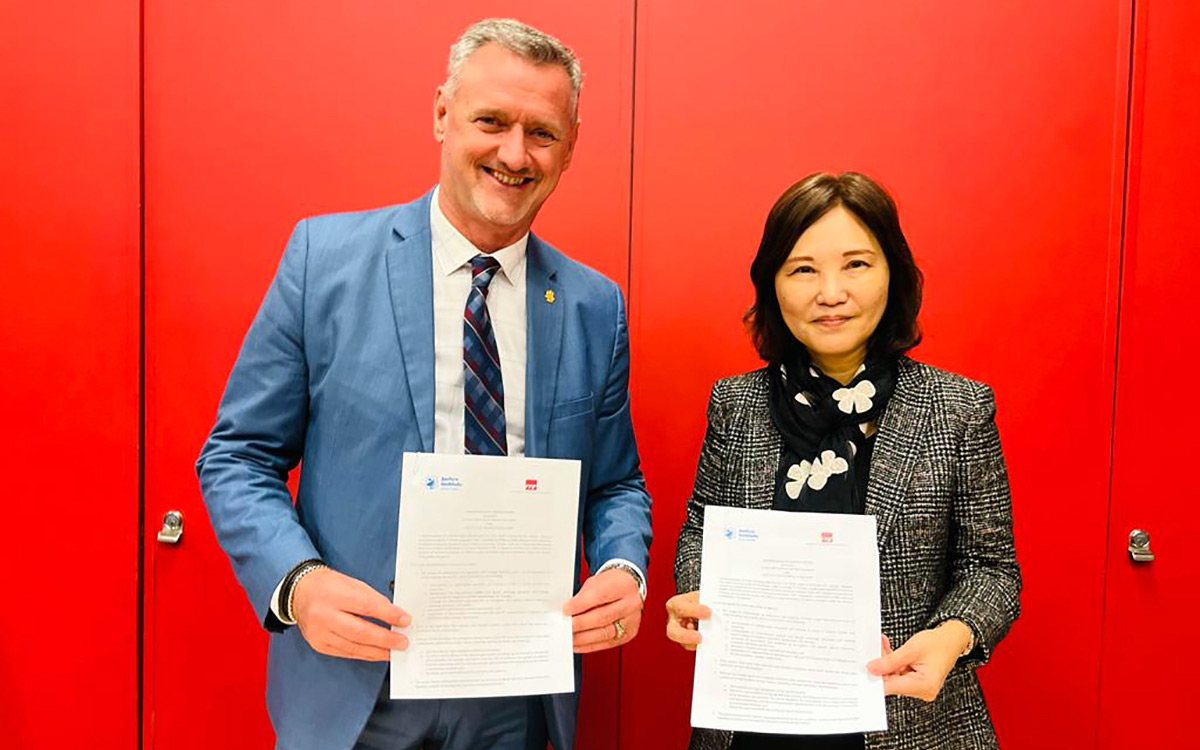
453	250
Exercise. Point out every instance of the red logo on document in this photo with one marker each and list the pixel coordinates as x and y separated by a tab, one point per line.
531	485
826	537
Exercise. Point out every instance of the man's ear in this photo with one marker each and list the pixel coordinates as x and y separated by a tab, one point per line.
441	106
571	141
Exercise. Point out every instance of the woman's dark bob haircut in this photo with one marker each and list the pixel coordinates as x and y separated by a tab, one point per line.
797	209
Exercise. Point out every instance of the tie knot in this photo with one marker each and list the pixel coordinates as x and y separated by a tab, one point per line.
483	268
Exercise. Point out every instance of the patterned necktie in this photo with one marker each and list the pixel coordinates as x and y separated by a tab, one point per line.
483	388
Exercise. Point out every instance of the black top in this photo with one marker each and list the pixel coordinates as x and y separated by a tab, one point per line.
753	741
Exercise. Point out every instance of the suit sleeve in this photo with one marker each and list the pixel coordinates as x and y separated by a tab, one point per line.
259	437
617	513
985	580
709	473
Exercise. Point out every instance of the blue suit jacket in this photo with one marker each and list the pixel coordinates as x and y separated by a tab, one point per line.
337	371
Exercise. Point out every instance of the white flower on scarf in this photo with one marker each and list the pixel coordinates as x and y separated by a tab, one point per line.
856	399
816	473
801	398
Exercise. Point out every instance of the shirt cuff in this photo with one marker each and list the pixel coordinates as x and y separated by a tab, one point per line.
276	609
633	570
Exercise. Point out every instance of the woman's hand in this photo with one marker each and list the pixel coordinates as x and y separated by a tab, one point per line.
684	613
919	667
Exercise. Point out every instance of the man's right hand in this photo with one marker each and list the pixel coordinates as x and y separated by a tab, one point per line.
330	608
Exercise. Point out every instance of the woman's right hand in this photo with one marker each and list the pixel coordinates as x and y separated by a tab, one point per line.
684	612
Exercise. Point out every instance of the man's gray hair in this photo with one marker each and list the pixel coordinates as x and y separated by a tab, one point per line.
521	39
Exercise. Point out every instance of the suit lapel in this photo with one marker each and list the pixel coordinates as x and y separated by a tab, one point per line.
544	323
410	279
901	432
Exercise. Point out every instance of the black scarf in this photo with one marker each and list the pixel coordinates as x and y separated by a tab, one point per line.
823	425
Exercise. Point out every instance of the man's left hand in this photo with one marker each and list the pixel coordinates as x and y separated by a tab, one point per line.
604	600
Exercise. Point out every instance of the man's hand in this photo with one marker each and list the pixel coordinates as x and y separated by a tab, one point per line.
330	608
919	667
604	600
684	613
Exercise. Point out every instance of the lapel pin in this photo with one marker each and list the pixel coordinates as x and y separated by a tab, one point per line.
550	296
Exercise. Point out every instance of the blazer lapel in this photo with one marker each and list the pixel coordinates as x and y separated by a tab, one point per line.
760	489
759	474
544	324
410	279
901	432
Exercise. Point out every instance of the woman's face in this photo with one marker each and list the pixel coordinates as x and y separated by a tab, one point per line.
833	288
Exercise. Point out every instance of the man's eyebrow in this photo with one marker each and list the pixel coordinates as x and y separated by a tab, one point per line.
489	112
501	115
542	125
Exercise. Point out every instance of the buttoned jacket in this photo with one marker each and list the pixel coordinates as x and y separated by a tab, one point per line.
337	372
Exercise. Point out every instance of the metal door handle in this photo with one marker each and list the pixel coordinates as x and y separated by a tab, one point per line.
172	528
1139	546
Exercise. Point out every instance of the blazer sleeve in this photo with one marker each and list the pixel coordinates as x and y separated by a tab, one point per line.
259	437
617	512
710	472
985	580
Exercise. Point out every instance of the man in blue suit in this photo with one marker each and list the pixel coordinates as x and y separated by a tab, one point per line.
438	325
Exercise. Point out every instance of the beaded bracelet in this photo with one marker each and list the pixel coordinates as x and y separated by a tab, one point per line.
287	592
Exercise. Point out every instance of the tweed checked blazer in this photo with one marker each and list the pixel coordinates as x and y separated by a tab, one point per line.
938	488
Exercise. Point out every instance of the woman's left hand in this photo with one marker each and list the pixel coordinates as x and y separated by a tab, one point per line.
919	667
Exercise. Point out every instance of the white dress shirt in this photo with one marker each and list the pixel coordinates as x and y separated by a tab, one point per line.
452	254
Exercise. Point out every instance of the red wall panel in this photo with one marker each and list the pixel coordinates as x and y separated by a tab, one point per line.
258	115
69	326
999	127
1150	608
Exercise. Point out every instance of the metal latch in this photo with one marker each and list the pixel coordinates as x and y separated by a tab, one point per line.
172	527
1139	546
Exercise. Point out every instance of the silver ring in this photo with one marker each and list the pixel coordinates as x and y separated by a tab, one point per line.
620	627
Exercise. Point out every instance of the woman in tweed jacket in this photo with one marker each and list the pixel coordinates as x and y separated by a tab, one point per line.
917	447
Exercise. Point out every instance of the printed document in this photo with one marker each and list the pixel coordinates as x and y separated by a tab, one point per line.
795	619
485	560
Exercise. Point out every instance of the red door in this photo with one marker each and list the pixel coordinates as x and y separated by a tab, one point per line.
1150	612
257	115
1000	129
69	380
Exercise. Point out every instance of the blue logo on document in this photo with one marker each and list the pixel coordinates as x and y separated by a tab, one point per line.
739	535
430	482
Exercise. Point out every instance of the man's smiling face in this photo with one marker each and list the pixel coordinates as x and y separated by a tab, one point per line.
507	133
